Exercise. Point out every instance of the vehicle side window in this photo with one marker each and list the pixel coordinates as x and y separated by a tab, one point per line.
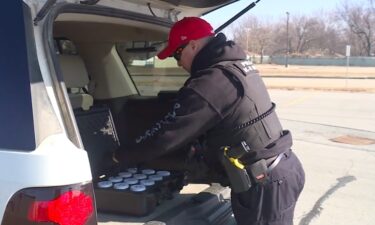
16	115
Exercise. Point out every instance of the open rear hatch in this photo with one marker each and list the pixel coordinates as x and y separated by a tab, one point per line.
174	8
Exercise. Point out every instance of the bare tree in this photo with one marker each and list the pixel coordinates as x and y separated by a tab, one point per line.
277	44
254	35
331	42
324	33
306	35
360	21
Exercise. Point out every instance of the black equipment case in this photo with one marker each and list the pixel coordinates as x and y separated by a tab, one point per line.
99	137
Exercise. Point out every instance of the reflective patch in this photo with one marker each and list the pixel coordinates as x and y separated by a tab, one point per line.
247	66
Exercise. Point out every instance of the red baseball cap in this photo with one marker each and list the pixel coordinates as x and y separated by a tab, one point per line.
185	30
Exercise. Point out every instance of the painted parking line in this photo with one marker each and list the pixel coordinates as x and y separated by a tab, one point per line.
298	100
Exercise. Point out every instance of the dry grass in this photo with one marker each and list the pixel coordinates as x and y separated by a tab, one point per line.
315	71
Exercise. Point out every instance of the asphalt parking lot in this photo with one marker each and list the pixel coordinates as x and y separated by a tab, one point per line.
334	136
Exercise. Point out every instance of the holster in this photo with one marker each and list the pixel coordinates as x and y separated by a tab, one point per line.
237	173
239	178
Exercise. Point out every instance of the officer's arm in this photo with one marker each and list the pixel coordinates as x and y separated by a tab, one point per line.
190	117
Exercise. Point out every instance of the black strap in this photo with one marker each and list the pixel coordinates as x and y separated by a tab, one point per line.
255	120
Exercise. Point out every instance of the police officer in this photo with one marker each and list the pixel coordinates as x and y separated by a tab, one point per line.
226	100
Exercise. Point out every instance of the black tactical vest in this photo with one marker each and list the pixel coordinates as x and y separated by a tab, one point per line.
265	136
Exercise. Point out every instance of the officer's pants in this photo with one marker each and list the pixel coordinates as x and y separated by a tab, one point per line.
272	203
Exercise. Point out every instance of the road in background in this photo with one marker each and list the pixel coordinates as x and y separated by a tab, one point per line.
321	83
354	110
315	71
337	78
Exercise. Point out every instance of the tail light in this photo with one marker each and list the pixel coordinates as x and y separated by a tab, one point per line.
63	205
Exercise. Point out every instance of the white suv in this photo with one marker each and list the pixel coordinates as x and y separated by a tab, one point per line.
77	79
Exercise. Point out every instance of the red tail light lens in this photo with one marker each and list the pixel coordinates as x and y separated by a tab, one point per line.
65	205
70	208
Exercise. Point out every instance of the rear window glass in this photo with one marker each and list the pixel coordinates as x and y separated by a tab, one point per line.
150	74
16	115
